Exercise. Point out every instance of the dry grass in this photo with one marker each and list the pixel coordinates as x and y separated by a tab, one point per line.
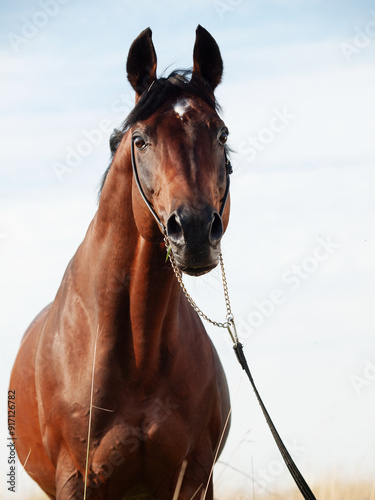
328	490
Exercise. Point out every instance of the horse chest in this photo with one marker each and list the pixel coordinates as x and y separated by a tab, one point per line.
133	444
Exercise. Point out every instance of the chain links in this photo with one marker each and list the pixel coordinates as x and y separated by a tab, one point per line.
229	323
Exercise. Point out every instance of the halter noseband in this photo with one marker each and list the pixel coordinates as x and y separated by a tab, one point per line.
228	169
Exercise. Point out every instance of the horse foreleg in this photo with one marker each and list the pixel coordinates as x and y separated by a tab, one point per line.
69	482
196	479
202	491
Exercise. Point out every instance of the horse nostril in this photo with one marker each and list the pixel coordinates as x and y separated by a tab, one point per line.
216	228
174	229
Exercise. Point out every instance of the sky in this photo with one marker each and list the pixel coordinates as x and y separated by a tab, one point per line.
297	96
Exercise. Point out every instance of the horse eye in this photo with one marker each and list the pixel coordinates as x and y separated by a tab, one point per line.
139	142
223	137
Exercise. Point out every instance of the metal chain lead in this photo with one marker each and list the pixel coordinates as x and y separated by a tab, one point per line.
229	323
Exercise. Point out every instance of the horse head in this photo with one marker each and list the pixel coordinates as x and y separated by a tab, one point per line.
179	153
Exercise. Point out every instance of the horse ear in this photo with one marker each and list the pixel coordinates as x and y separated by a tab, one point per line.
141	63
207	58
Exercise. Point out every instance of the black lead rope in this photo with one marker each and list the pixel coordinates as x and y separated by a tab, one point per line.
293	469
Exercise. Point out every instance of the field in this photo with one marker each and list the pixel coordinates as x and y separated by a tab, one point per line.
329	490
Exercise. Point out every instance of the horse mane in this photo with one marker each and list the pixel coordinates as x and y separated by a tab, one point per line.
177	83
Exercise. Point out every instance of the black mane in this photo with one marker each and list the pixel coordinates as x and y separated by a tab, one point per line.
177	83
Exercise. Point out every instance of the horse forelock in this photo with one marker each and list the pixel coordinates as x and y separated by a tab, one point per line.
178	83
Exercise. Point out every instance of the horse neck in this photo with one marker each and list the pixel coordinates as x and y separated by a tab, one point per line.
137	294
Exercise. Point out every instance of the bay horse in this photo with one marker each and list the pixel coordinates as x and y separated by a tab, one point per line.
118	386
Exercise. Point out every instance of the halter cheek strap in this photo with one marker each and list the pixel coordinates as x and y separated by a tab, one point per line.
228	169
140	189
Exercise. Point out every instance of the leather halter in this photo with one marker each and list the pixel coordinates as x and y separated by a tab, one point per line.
228	169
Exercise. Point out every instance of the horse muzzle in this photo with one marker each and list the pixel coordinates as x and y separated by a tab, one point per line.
195	237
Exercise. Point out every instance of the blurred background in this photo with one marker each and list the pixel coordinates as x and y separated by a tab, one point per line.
298	98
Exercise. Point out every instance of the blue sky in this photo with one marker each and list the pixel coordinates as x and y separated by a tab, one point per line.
300	109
